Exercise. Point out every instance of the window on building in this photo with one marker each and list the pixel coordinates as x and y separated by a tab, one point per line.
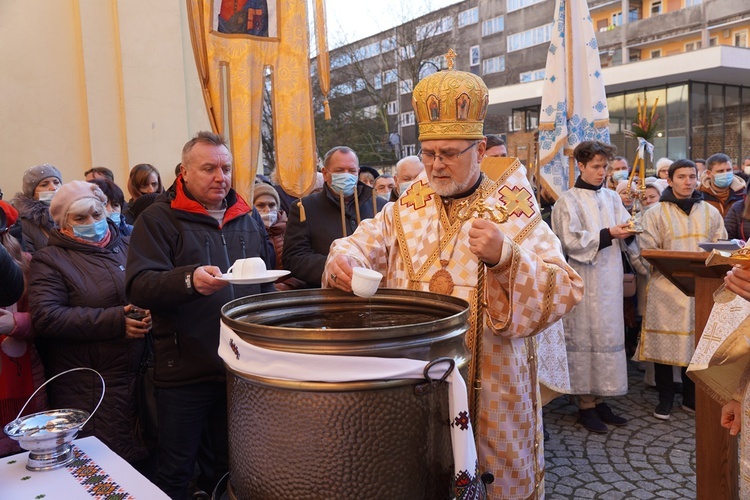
360	84
492	26
493	65
390	76
467	17
532	76
407	118
520	4
370	112
691	3
617	17
387	45
378	83
529	38
392	108
713	41
339	60
474	56
434	28
405	53
405	86
655	53
740	39
691	46
602	25
410	149
367	51
656	7
341	90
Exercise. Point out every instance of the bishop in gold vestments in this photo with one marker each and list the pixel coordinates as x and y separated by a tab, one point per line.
439	234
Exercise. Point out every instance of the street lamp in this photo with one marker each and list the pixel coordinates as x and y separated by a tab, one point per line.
424	63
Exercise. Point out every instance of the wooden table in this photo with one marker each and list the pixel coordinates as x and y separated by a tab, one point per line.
717	468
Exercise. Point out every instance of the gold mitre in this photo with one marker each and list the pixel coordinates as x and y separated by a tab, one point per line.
450	104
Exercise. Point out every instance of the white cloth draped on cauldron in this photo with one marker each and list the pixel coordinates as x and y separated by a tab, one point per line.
244	357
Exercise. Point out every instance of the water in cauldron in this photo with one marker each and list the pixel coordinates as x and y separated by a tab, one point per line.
354	317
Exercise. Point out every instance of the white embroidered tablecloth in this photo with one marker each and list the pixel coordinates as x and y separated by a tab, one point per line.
97	472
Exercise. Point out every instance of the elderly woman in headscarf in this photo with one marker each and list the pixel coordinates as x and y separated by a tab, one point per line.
39	186
83	319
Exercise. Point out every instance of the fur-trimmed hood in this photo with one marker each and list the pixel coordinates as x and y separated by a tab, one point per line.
33	210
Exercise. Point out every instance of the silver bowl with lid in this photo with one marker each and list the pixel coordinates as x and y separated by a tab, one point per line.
48	435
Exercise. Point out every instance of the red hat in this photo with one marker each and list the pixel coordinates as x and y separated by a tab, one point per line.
11	214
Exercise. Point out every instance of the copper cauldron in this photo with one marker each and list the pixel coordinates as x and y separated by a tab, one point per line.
354	440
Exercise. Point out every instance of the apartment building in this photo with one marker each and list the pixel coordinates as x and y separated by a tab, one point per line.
691	54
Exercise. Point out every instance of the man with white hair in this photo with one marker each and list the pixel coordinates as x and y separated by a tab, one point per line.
435	237
407	169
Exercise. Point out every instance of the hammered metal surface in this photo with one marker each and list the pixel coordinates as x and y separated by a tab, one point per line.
371	444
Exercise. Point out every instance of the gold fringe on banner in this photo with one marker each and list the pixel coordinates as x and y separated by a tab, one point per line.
302	215
324	62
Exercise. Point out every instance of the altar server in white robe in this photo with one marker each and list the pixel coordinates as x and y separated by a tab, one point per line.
591	223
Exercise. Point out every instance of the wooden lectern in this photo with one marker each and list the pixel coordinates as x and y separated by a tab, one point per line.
717	469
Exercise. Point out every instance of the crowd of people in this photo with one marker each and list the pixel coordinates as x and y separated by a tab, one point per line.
134	288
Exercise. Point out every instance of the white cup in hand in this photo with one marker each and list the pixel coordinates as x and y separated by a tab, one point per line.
365	281
248	268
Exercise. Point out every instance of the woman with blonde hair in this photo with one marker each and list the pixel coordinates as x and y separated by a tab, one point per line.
144	179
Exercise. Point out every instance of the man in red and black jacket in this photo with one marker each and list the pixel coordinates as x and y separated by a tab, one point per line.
179	247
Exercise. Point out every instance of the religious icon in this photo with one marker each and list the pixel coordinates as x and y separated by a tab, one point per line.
462	107
247	18
434	105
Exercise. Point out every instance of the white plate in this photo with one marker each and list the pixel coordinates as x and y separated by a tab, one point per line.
266	278
726	245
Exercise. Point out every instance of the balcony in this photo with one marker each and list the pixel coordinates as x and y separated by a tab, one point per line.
670	25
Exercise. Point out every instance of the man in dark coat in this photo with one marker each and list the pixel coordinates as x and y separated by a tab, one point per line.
308	238
180	247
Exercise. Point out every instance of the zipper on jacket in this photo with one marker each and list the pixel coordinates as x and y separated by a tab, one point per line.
242	245
208	251
226	252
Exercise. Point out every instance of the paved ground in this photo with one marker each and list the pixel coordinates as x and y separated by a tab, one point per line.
648	458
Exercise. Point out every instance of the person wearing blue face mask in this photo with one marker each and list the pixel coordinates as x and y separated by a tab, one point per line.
81	317
719	186
320	218
115	202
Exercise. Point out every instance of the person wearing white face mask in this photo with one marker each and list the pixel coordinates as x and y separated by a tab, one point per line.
320	218
81	316
720	187
407	170
39	186
266	201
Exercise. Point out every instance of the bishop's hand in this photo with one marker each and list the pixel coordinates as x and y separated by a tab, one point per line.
486	241
339	271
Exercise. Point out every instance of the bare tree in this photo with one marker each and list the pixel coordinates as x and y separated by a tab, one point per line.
370	79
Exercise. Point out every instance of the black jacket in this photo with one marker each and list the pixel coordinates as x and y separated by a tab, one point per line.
306	244
170	239
11	279
737	227
77	299
36	222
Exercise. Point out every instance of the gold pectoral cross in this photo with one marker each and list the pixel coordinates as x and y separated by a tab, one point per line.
480	210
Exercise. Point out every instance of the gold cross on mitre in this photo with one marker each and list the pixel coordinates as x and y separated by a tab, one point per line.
450	58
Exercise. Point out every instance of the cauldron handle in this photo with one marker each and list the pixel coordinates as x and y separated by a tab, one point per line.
104	388
451	362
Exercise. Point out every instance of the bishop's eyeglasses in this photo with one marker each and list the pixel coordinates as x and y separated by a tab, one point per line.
445	158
